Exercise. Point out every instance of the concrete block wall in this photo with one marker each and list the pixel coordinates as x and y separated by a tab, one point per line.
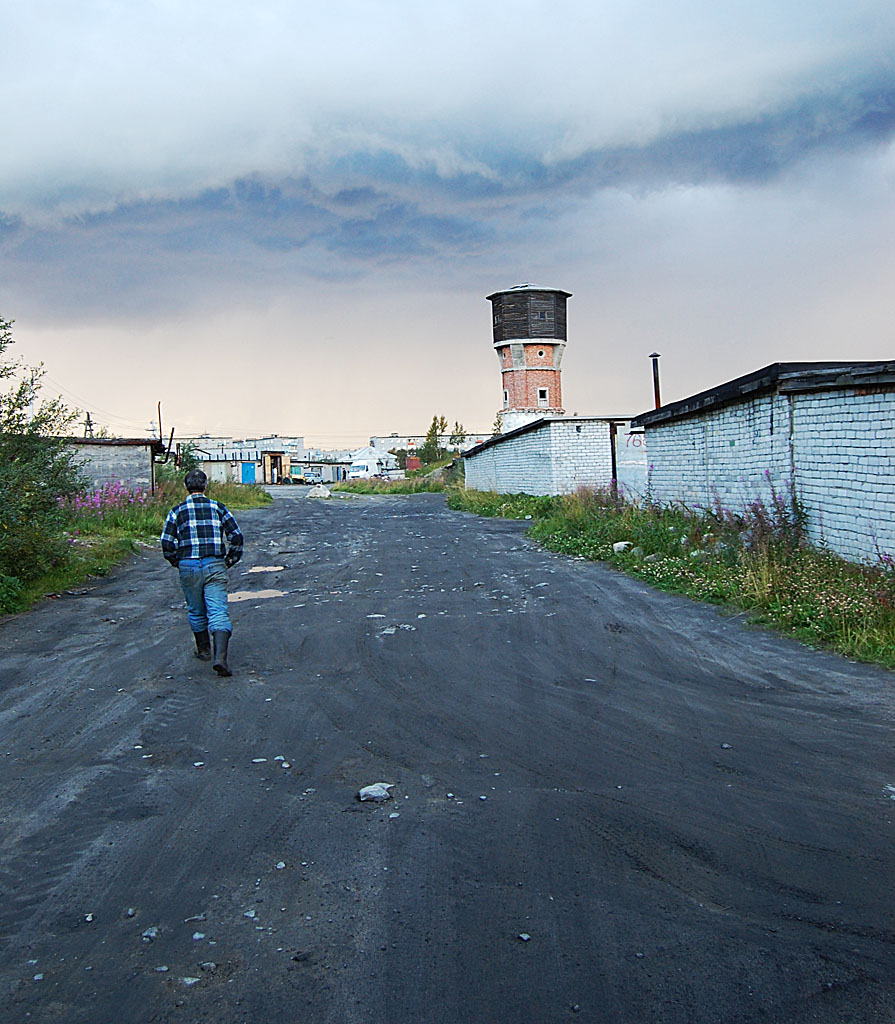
841	461
557	457
130	465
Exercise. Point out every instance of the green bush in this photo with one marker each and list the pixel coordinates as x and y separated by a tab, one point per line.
37	474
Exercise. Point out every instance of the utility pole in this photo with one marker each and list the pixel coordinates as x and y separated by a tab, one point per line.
88	426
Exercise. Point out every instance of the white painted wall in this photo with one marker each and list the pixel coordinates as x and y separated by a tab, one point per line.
841	462
557	457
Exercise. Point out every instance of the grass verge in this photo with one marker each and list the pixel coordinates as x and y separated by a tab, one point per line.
757	561
106	526
412	485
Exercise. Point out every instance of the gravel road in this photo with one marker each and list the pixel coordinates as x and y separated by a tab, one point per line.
609	804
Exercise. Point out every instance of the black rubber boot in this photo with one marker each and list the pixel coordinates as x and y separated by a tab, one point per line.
203	645
221	642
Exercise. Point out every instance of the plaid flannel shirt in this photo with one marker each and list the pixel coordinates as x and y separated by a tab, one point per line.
196	529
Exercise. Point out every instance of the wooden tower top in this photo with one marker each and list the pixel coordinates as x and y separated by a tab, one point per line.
529	311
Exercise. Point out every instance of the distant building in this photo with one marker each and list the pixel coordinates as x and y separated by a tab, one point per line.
412	442
529	331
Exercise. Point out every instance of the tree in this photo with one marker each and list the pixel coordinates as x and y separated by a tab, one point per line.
430	449
497	429
176	468
458	435
37	473
401	455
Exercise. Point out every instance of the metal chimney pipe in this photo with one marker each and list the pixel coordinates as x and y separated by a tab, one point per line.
655	358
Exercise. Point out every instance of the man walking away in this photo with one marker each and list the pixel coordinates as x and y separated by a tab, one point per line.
194	541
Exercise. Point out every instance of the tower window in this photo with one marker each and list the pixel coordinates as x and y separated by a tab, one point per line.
543	398
496	319
541	314
540	353
506	399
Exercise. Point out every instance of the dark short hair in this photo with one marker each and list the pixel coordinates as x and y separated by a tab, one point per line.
195	480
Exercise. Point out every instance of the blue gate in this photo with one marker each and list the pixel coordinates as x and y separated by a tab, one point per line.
248	472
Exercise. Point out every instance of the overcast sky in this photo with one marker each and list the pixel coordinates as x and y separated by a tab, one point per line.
285	217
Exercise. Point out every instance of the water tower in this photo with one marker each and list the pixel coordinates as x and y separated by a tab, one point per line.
530	338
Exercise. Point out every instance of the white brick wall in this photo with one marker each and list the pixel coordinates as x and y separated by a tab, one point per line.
840	461
844	451
557	457
732	454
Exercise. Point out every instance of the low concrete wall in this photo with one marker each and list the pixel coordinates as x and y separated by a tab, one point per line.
114	462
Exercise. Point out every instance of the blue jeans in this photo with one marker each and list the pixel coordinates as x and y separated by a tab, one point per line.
204	582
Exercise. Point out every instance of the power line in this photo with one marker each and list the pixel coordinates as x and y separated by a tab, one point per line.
91	405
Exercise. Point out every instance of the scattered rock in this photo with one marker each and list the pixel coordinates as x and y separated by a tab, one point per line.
198	935
250	914
162	969
190	981
525	936
622	545
208	965
377	792
637	552
725	746
280	865
151	934
319	491
654	557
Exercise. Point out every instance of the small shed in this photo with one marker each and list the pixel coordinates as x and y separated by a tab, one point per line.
557	455
117	460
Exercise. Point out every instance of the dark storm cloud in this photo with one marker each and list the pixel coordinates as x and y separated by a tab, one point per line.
353	213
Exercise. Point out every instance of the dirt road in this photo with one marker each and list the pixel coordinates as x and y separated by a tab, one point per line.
609	804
